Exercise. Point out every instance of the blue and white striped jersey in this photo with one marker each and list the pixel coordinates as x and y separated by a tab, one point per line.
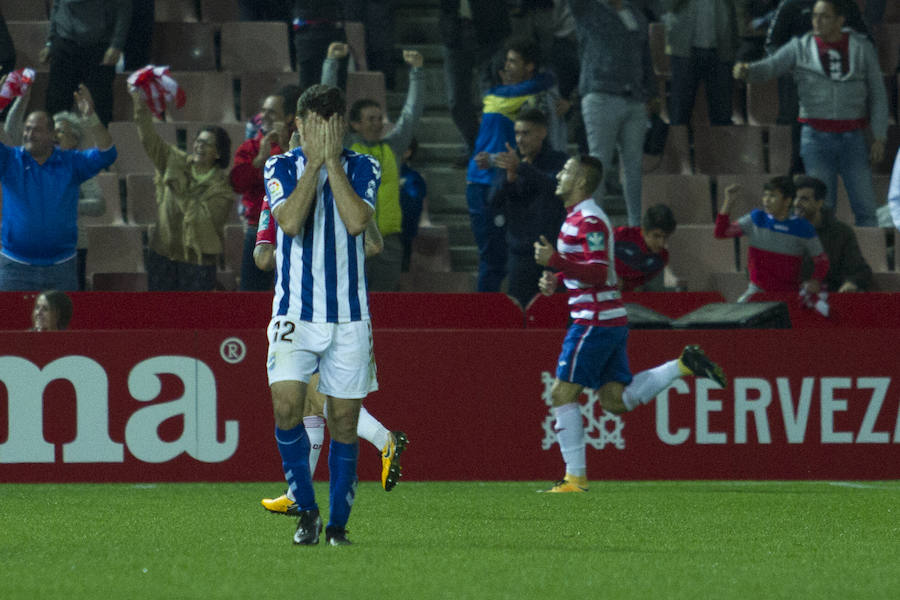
320	273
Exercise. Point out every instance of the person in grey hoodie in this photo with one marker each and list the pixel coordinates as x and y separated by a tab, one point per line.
615	84
841	92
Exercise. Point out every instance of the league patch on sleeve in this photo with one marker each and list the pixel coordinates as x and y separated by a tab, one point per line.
276	192
596	241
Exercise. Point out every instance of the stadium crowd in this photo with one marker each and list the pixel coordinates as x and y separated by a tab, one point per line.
616	79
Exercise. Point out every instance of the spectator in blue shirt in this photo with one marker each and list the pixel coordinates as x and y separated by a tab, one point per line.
40	201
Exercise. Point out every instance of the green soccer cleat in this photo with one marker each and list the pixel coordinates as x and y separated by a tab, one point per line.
696	363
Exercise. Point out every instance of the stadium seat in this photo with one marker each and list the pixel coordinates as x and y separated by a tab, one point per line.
109	184
28	38
688	196
219	11
779	147
38	98
728	149
245	42
119	282
431	250
175	11
16	10
356	40
886	282
209	97
256	85
730	285
873	245
750	196
131	155
184	46
115	248
658	54
140	199
762	103
366	84
234	247
695	254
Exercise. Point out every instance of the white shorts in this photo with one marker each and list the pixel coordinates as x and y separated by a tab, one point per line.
341	352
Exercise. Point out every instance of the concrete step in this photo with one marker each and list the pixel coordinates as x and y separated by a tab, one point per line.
440	203
435	90
437	130
444	180
464	258
439	154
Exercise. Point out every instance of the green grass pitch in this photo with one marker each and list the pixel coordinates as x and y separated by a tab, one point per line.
457	540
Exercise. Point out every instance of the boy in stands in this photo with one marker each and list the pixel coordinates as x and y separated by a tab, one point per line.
594	353
641	254
778	241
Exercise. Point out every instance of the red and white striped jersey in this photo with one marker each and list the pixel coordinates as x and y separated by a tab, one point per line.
586	260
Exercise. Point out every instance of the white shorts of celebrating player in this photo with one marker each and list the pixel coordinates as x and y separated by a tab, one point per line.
341	352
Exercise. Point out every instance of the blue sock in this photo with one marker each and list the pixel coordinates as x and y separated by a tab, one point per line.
342	468
293	444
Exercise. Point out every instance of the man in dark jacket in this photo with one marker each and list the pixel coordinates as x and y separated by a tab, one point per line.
848	270
527	201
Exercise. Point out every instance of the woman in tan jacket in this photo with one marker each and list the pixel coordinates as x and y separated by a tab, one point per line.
194	198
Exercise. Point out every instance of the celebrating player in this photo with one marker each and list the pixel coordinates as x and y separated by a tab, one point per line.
322	197
594	351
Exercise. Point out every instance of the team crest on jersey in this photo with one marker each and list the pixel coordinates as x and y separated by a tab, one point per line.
596	240
275	189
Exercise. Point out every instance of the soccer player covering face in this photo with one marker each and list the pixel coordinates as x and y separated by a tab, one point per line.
594	353
322	197
390	443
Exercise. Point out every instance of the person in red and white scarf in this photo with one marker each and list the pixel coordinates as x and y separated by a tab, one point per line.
594	353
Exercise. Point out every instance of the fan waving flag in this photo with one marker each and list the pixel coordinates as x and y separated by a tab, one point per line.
16	84
157	87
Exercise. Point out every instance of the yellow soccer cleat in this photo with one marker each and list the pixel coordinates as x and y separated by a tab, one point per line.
390	460
569	484
282	505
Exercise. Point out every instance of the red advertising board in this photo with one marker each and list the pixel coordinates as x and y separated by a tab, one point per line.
193	405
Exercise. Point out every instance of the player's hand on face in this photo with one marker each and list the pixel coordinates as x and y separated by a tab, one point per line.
295	140
314	139
547	283
543	251
334	136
